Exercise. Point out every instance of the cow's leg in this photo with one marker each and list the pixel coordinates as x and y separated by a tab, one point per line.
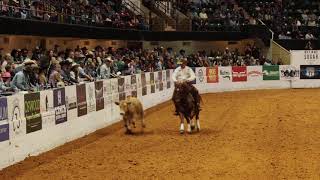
181	123
128	126
198	125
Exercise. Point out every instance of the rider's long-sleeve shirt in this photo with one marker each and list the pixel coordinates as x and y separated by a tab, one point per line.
183	74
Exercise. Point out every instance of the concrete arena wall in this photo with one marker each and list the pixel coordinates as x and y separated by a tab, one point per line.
18	148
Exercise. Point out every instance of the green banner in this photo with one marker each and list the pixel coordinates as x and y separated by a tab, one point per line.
271	73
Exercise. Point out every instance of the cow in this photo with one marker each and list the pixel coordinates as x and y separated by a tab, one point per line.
131	111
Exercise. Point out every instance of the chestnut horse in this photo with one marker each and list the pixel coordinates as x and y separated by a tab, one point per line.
186	106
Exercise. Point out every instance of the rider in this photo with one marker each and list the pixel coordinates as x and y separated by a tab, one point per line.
185	73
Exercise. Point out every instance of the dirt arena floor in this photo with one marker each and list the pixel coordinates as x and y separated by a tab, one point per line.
268	134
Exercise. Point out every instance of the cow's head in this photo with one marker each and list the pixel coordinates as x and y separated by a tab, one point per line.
124	106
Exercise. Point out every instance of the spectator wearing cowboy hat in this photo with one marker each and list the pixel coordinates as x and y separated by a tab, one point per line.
105	68
75	71
65	73
55	78
21	80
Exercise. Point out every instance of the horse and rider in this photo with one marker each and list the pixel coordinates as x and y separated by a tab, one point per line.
186	97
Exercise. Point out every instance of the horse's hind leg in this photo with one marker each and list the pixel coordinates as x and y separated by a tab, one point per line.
181	123
197	122
189	126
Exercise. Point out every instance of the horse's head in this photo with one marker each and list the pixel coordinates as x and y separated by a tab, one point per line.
181	89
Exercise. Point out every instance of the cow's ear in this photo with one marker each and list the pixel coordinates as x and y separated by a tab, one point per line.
117	103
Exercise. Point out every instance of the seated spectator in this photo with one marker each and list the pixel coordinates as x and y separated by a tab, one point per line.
55	78
105	68
21	80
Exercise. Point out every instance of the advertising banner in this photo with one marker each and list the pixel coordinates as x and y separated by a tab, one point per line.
17	121
32	112
71	102
121	89
168	78
164	79
99	95
310	72
271	73
160	82
91	99
304	57
127	86
59	104
288	72
212	74
81	100
4	121
134	86
225	74
194	70
239	73
201	75
254	73
144	84
107	92
47	109
152	83
115	90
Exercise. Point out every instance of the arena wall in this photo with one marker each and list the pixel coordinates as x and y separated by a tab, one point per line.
31	124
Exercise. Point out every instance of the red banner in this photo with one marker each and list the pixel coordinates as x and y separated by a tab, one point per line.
212	75
239	73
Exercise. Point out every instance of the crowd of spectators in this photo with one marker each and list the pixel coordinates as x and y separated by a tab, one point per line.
106	13
218	15
24	70
288	19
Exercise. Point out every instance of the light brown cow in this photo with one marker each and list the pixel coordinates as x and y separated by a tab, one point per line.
131	111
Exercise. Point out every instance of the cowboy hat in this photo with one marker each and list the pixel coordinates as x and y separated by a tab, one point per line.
75	65
28	62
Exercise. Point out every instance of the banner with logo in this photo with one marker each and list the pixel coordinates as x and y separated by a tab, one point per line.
288	72
139	85
17	121
310	72
144	84
99	95
47	109
212	74
107	92
304	57
71	102
91	98
168	78
152	83
164	79
81	100
121	88
59	104
127	86
160	82
254	73
201	75
239	73
225	74
4	122
115	90
134	86
271	73
32	112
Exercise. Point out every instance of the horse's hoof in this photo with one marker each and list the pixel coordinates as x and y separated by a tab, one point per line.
193	127
181	131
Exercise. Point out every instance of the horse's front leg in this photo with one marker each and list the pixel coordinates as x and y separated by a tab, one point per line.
189	126
181	123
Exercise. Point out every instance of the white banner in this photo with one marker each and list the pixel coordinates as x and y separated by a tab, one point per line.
164	79
254	73
201	75
288	72
46	108
127	85
91	97
304	57
225	74
17	121
114	89
107	92
71	102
